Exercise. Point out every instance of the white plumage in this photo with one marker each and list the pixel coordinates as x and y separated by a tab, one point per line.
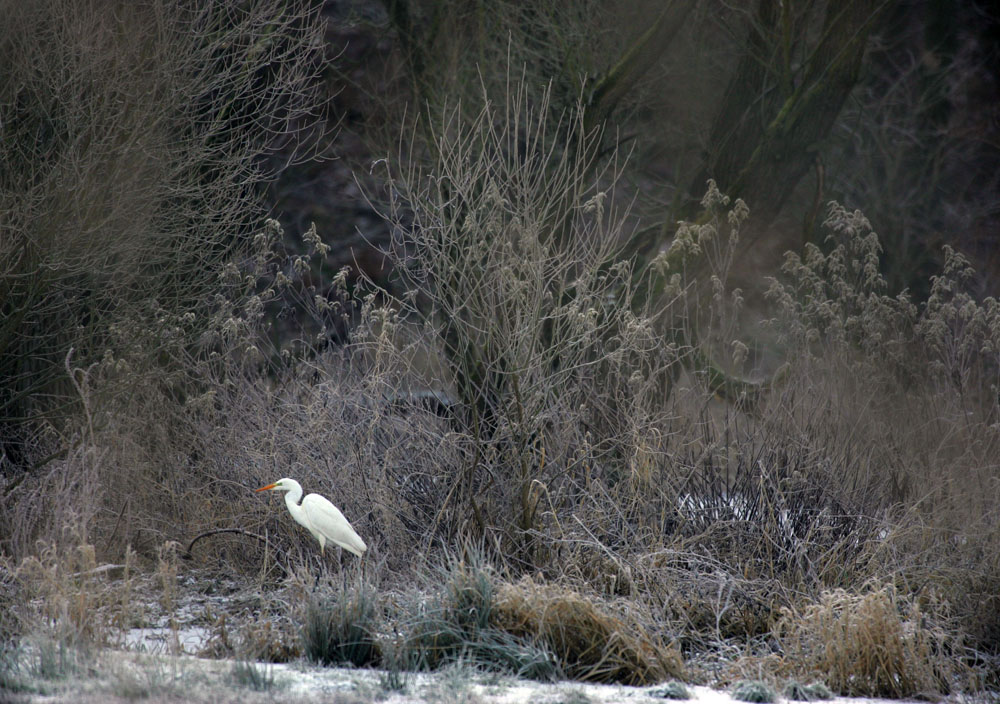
319	516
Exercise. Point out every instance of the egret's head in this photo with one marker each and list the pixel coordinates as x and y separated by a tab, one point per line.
280	485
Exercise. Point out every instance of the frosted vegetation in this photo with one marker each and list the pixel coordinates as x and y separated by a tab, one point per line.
584	432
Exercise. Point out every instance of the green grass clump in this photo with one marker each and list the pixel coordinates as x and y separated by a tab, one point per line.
253	675
435	642
342	629
807	692
394	676
753	691
458	628
11	676
671	690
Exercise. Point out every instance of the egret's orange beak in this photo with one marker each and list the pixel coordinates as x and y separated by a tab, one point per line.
265	488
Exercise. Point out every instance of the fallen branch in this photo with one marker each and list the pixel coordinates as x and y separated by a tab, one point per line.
110	570
187	553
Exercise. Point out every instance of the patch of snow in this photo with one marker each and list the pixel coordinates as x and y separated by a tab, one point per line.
164	639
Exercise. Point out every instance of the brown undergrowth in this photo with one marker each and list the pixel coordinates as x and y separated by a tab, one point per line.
874	644
593	643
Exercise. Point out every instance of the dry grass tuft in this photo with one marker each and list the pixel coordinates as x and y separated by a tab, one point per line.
592	644
270	642
76	600
874	644
768	667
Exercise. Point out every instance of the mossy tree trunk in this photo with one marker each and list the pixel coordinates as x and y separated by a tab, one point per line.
782	100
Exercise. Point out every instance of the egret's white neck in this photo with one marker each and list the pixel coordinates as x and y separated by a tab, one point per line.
293	495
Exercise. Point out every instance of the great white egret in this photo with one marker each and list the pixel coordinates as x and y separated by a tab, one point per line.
323	519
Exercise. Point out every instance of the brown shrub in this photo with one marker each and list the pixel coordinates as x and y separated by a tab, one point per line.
133	140
591	643
76	599
874	644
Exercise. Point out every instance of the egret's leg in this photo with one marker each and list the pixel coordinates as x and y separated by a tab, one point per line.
340	566
318	568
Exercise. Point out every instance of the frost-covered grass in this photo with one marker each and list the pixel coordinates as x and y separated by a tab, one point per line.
123	676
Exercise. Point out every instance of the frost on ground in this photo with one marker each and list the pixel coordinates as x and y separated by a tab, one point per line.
182	650
129	676
119	676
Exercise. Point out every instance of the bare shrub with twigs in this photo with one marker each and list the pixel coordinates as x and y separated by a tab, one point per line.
134	137
509	257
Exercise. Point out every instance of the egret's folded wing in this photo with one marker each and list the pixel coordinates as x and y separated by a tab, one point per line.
328	520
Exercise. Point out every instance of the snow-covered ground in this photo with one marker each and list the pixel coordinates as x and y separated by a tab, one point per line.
157	661
158	665
129	676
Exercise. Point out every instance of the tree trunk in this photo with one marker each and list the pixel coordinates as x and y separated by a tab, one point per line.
772	120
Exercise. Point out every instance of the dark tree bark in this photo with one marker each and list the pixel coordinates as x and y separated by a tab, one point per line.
772	120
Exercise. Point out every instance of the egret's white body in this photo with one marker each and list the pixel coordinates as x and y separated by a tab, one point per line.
322	518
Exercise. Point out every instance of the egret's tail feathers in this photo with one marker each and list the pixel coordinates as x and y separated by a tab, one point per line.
354	544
